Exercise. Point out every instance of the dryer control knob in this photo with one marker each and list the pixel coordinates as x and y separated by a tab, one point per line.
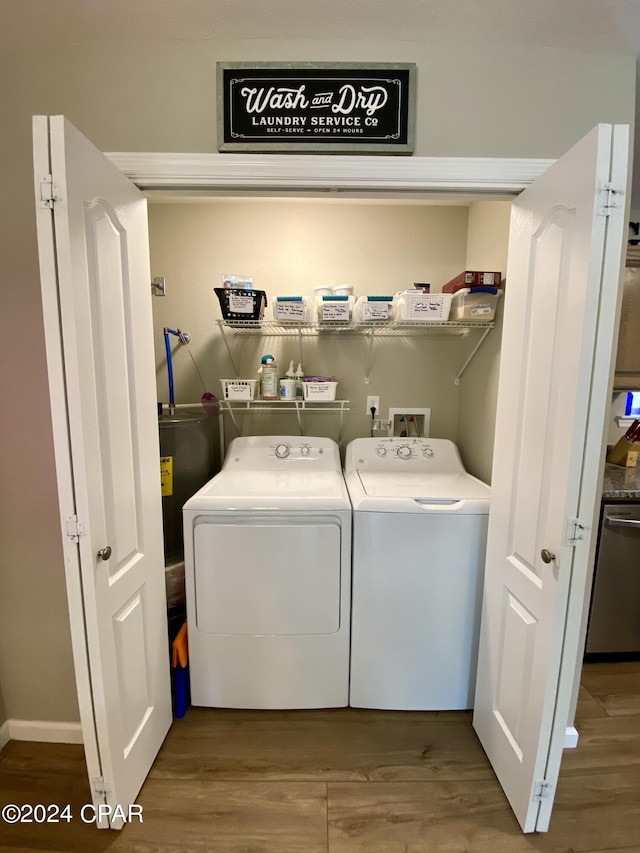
404	451
381	451
305	450
282	451
428	451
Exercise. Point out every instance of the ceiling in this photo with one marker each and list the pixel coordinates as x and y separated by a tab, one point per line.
604	26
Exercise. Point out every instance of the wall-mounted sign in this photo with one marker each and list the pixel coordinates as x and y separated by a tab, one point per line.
350	108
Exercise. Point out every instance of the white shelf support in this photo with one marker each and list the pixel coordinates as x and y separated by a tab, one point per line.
474	351
367	372
297	406
228	348
456	328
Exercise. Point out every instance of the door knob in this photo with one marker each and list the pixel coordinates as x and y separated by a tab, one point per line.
547	556
104	553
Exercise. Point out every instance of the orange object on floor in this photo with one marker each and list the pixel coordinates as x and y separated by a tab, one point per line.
180	648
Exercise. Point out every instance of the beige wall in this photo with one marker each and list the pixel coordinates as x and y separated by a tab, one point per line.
291	246
486	250
161	97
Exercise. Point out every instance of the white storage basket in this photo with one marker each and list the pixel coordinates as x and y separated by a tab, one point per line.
371	309
239	389
319	391
418	307
292	309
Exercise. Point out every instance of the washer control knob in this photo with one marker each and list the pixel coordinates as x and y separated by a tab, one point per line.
428	451
404	451
381	451
282	451
305	450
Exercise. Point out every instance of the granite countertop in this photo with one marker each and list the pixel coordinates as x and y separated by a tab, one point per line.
620	483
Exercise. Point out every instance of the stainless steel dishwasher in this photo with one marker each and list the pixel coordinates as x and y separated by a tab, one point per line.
614	620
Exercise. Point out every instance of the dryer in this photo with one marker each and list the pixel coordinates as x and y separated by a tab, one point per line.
419	540
267	569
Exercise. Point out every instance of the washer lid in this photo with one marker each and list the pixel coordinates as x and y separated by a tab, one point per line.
413	491
290	490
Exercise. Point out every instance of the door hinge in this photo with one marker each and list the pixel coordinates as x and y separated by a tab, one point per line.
541	790
99	787
609	198
574	532
75	529
49	195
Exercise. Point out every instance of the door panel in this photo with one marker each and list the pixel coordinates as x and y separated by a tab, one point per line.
94	256
563	239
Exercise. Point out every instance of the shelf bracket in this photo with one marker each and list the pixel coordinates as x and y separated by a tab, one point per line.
470	359
299	416
229	353
369	353
235	423
339	442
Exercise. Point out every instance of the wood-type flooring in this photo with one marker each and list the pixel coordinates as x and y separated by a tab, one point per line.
345	781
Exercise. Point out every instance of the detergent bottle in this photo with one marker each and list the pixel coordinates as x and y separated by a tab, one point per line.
268	373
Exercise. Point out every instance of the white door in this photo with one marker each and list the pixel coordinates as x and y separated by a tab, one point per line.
562	292
94	262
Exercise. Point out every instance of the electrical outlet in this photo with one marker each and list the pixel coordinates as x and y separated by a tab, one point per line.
373	402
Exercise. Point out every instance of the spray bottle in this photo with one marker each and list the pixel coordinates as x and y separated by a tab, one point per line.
299	376
269	384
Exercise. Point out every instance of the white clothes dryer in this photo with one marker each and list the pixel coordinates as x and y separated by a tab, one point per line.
419	541
268	577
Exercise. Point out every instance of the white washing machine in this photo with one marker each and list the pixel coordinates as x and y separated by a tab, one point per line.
268	575
419	541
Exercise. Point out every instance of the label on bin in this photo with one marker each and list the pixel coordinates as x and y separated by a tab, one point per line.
336	311
376	310
477	310
428	307
240	304
166	476
238	391
290	310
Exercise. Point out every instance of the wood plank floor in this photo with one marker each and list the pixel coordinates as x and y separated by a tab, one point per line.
346	781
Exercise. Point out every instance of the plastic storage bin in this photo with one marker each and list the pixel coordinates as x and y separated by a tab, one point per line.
293	309
318	391
334	309
241	305
239	389
475	303
373	309
416	307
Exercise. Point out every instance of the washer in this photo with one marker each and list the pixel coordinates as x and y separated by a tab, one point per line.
267	569
419	541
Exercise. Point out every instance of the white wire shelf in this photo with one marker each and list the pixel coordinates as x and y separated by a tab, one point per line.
396	329
284	405
370	330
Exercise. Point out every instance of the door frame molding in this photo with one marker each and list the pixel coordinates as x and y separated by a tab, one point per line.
324	173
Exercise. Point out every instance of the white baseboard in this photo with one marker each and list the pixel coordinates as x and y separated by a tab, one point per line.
43	731
5	737
571	737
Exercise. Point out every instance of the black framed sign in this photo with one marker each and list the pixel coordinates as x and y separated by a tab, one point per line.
325	107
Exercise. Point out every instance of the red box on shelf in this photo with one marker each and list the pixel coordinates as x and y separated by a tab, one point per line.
472	278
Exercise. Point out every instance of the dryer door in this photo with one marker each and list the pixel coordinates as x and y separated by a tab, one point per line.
275	575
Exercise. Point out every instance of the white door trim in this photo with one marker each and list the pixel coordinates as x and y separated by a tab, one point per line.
323	172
